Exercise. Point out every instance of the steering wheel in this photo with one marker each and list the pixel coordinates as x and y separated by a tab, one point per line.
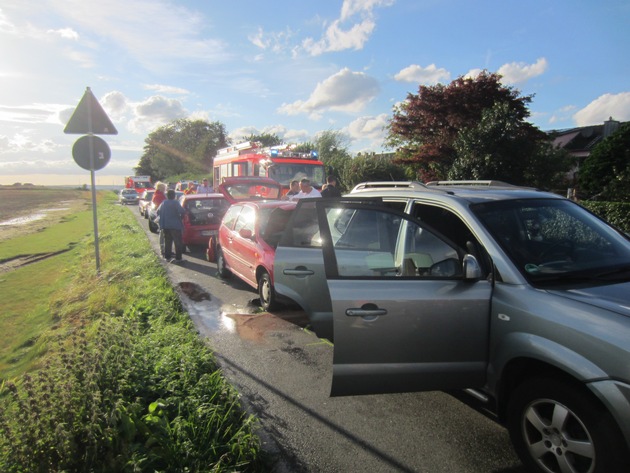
561	248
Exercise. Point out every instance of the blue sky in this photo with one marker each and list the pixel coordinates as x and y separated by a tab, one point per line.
290	67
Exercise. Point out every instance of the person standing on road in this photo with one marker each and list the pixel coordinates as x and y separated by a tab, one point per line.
170	214
204	188
306	191
331	188
294	188
159	196
190	189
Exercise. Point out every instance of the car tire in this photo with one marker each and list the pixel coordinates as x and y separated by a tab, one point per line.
221	265
153	228
266	292
211	251
552	422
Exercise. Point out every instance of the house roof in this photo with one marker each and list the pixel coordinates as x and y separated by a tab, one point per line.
580	141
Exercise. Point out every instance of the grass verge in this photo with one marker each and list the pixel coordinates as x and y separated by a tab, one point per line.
122	381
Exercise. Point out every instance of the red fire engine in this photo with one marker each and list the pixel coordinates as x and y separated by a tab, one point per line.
139	183
280	163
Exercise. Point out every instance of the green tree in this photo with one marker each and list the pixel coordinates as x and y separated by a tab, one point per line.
605	174
500	147
371	168
424	128
332	148
265	139
182	147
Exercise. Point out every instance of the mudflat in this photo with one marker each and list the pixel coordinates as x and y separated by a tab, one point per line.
25	210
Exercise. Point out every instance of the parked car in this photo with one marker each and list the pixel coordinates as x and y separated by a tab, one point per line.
144	202
151	211
128	196
203	217
519	297
247	240
249	233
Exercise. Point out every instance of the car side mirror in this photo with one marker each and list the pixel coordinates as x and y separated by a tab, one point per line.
471	267
246	233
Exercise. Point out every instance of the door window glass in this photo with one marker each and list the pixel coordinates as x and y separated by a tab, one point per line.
246	220
231	214
374	243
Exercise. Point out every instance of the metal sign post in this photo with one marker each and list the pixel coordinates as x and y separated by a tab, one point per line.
89	117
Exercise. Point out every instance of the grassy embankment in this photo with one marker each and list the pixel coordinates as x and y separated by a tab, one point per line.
106	372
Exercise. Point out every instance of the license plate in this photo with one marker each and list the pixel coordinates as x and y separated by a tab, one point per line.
209	232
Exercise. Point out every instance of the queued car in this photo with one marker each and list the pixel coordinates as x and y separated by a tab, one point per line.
144	202
202	218
128	196
247	241
518	297
249	233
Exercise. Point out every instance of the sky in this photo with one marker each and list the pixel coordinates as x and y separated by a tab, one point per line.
290	67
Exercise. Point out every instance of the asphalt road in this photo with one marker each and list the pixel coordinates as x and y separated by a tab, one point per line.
283	372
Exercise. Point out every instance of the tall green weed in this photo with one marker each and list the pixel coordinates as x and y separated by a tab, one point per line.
127	384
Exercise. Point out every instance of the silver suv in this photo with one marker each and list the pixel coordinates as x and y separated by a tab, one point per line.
519	297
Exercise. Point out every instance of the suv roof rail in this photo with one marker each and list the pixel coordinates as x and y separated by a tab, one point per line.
484	183
389	185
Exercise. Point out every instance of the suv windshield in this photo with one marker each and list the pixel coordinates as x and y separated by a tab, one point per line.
555	240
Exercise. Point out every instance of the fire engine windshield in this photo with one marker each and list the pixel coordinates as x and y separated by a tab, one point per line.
284	173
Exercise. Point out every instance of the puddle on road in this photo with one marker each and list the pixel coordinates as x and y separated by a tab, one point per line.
213	319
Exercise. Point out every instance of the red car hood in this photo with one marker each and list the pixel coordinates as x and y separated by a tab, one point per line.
239	189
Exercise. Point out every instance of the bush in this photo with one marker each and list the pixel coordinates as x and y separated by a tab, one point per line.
616	213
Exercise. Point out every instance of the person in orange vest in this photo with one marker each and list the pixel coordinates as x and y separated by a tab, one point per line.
190	189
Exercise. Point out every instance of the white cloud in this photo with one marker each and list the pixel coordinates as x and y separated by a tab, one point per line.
423	75
154	33
369	128
353	7
154	112
36	113
65	33
166	89
274	41
473	73
24	142
345	91
599	110
517	72
339	37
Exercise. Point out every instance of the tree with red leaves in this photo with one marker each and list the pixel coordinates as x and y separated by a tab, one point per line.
425	127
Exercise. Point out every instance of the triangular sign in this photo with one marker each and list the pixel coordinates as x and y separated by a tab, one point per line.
89	117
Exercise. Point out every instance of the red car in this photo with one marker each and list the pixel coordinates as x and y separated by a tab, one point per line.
250	232
247	242
203	217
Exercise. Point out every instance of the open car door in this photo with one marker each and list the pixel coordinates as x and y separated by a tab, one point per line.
411	311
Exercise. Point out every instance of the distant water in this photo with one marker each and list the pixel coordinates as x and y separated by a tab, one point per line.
98	187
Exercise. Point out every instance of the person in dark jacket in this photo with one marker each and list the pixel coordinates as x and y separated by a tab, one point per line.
170	214
331	188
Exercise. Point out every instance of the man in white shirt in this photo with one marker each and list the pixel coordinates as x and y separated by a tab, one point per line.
204	188
306	191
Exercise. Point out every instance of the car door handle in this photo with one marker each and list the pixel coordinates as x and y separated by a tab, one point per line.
298	272
360	312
